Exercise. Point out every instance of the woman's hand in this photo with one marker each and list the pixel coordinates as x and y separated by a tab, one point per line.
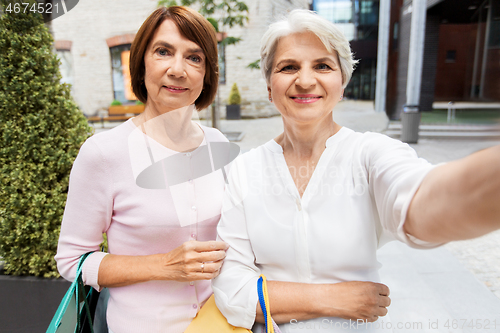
348	300
191	261
194	260
358	300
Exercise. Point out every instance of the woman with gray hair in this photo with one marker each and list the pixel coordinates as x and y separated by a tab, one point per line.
310	208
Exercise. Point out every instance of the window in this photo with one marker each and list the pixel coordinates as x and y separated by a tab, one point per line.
369	12
119	48
222	62
122	88
451	56
63	51
66	66
337	11
494	41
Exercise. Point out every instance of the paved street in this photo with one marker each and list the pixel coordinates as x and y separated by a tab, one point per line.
454	288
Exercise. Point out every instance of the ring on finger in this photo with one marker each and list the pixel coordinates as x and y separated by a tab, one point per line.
202	267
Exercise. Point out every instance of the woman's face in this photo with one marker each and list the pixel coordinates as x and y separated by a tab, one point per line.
175	69
306	80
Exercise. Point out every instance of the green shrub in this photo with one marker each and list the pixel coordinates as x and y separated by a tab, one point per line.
116	102
234	95
138	102
41	131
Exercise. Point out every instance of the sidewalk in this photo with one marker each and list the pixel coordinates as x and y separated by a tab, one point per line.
454	288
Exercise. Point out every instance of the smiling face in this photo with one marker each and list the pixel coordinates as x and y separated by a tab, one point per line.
306	80
174	69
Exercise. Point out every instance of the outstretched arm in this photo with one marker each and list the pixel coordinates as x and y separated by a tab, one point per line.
458	200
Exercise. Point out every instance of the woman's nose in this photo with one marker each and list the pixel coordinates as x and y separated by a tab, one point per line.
305	78
176	67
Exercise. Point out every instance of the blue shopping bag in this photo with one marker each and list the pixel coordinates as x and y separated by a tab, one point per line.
74	312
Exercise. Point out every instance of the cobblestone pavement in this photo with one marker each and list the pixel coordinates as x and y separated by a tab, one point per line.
481	256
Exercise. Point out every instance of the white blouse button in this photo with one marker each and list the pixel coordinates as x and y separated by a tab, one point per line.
193	208
299	205
191	283
195	306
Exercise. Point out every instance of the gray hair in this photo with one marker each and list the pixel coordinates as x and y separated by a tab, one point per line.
301	20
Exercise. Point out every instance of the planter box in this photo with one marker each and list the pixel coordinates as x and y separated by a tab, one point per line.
233	111
27	304
125	109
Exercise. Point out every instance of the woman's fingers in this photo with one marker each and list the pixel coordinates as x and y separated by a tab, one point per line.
385	301
211	256
211	267
196	260
361	300
207	246
383	289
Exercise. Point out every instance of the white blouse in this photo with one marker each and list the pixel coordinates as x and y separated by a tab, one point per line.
356	201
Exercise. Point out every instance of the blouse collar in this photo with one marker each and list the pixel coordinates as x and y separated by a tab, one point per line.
274	147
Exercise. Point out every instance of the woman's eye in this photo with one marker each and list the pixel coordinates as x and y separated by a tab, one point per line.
162	52
323	67
196	59
288	68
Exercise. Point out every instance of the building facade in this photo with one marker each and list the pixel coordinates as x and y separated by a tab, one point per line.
93	40
460	56
359	21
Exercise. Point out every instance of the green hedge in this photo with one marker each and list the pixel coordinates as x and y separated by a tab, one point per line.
41	131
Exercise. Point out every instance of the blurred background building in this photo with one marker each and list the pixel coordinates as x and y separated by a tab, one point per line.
359	21
461	54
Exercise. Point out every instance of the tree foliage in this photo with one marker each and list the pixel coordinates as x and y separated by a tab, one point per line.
41	131
221	13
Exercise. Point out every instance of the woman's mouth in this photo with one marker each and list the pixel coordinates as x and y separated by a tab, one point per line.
305	99
175	89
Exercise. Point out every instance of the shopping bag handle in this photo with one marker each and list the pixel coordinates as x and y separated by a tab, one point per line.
75	284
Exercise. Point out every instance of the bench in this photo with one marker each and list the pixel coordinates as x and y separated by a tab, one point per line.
117	113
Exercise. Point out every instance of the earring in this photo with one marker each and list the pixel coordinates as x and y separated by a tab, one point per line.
341	96
270	99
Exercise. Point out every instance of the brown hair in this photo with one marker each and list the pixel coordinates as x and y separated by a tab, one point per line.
194	27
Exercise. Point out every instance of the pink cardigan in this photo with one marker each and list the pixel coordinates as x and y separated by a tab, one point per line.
104	198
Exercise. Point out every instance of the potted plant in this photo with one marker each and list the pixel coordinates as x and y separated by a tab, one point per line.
41	131
117	108
233	110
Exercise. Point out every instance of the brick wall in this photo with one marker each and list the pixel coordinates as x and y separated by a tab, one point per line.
403	55
251	84
454	79
492	81
392	67
88	26
92	24
431	47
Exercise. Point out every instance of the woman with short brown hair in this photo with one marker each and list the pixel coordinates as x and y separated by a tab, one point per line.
201	32
144	183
